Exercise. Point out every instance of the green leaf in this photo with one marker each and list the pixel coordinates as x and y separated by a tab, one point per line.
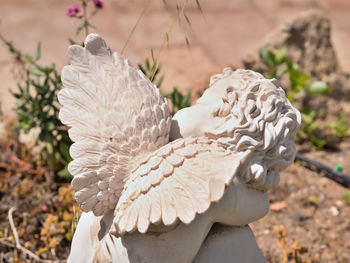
64	151
72	42
308	117
50	126
178	100
318	87
268	56
65	175
148	66
36	71
28	58
340	128
38	52
281	55
49	146
11	47
81	27
16	95
160	81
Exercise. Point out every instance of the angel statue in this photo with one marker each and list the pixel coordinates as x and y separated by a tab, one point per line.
159	189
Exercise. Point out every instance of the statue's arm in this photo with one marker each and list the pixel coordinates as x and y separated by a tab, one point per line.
230	244
240	205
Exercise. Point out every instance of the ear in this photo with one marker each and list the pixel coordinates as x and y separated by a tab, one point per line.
229	89
231	95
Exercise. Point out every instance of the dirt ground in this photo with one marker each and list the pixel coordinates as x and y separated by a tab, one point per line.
313	209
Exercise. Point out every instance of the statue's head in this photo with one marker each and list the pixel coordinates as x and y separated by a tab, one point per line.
245	112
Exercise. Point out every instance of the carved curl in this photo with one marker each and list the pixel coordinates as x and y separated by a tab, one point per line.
256	116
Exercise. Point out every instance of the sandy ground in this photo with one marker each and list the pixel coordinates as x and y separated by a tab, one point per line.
313	211
219	37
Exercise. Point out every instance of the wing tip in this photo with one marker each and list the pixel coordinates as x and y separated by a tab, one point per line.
95	44
75	51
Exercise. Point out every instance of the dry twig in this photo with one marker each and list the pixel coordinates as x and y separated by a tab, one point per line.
18	244
4	242
15	235
144	10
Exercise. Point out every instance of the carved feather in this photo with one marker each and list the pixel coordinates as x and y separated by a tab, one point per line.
179	180
115	114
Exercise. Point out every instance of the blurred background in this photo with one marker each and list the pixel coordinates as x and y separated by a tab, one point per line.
302	43
222	35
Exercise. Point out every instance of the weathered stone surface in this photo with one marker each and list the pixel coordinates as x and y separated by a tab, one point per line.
309	41
224	153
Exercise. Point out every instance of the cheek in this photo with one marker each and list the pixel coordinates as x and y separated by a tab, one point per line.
241	205
190	121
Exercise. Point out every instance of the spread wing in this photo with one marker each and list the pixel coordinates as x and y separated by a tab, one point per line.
176	181
115	113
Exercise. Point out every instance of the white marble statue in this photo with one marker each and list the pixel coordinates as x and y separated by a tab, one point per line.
159	189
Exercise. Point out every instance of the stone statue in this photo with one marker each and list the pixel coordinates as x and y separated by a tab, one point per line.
159	189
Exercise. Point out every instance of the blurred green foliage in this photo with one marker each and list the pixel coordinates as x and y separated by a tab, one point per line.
178	100
151	72
346	198
37	107
36	97
340	127
279	65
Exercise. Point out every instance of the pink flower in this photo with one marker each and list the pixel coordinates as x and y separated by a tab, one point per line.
99	3
44	208
72	10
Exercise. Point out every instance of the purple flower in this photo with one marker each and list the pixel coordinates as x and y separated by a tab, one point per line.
99	3
72	10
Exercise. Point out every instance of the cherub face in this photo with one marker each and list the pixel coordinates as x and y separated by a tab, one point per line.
246	112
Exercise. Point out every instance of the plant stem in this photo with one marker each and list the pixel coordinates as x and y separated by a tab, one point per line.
166	39
136	24
86	22
11	47
18	54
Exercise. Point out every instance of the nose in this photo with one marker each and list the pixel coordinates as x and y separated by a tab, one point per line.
174	130
181	124
188	122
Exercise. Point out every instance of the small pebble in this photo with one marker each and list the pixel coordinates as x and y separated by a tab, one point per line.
334	211
266	232
323	246
324	181
339	203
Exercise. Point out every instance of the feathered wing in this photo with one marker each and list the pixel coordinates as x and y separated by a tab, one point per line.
116	116
177	181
